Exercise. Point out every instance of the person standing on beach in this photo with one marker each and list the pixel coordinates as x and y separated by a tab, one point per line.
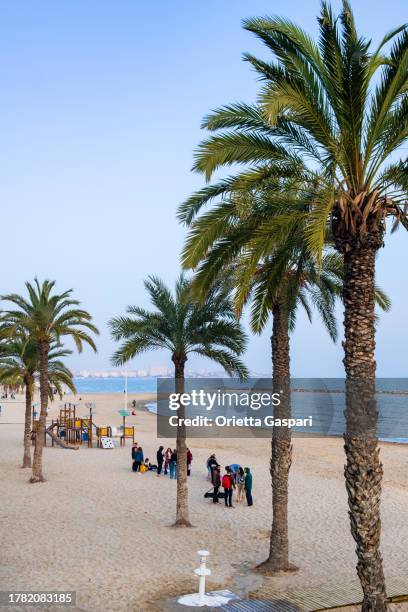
211	463
138	459
167	457
208	469
248	486
173	464
234	467
228	484
240	481
216	479
160	459
189	460
134	451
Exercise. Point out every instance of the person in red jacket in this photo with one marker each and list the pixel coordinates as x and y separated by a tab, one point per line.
228	484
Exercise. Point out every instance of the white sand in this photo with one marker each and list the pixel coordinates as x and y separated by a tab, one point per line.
99	529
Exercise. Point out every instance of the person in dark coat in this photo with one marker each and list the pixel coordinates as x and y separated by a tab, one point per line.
216	478
134	451
160	459
248	486
211	463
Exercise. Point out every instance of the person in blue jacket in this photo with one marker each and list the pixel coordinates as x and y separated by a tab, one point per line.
139	458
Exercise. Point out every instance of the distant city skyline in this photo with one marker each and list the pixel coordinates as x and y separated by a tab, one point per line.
156	371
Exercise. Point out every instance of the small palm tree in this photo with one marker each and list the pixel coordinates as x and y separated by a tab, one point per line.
46	317
19	366
182	326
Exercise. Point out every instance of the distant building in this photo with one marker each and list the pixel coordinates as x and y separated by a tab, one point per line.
158	371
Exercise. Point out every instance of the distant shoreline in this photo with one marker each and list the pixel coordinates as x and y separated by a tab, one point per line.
293	390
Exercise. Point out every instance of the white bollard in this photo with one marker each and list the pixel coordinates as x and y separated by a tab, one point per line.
215	599
200	599
202	572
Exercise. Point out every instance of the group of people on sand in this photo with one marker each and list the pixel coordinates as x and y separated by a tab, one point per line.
234	478
166	461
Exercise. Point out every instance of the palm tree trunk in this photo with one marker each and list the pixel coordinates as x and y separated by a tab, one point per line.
363	470
37	474
182	515
281	456
27	424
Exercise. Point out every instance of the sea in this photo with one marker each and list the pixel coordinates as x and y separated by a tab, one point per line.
323	398
115	385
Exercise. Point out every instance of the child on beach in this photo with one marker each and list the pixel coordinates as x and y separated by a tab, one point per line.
152	467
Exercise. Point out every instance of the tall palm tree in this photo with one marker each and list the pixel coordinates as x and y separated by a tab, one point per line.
46	317
237	241
226	242
182	326
19	362
300	284
344	106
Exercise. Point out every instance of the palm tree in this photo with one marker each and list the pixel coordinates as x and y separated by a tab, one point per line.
278	274
344	107
226	242
301	284
45	317
19	366
182	326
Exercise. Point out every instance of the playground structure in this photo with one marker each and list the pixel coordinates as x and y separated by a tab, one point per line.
70	430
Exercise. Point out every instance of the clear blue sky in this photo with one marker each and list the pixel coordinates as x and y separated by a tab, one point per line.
100	112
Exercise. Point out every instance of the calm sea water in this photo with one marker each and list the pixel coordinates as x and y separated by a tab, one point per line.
115	385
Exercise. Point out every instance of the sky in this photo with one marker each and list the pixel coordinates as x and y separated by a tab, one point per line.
99	116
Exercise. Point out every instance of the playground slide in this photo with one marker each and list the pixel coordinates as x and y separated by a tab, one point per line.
58	440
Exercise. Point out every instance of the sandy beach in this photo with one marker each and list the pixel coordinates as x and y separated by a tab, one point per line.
98	529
